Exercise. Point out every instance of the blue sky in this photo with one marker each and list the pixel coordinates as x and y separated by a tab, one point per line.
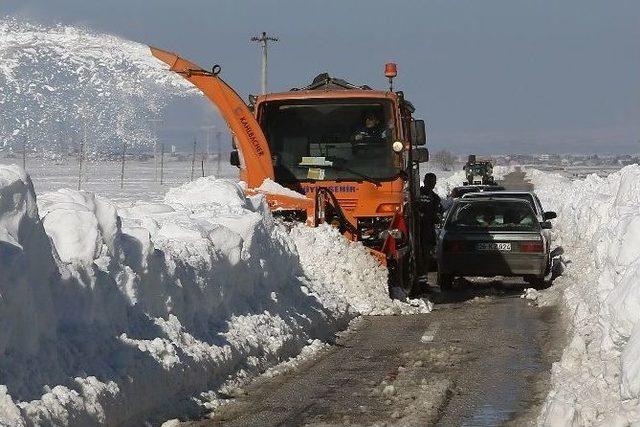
487	75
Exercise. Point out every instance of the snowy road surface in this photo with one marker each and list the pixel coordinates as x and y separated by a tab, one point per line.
481	358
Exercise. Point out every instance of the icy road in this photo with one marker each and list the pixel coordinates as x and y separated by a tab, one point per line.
482	357
479	361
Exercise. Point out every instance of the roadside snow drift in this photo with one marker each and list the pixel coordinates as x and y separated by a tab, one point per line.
597	380
120	316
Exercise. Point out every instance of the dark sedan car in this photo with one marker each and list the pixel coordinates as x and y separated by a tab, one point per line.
492	237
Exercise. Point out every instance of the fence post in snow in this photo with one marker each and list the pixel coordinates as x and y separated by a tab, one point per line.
202	163
193	160
24	153
82	143
219	154
124	152
162	164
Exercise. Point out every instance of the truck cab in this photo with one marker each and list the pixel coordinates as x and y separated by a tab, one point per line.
356	144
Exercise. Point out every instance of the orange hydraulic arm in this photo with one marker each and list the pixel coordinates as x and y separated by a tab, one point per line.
252	143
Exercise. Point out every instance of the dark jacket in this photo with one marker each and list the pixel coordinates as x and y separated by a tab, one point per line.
365	135
430	210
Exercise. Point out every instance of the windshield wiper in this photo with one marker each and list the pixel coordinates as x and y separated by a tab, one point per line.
338	166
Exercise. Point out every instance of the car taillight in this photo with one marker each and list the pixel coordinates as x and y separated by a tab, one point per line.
531	247
454	246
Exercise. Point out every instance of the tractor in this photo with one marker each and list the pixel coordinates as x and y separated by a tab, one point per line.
478	172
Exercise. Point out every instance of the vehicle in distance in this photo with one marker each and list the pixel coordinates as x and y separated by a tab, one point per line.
487	237
478	171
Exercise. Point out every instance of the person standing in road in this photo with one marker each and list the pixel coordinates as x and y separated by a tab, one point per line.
430	211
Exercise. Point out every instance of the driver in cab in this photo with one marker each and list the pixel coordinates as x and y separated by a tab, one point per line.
372	131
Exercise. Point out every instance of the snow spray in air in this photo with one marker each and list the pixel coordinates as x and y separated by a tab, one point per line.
54	81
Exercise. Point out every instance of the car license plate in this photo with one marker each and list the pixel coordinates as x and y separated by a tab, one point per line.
493	246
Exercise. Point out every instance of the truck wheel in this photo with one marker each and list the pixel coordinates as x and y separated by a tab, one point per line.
444	281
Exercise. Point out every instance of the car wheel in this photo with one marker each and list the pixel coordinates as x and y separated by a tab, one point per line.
445	281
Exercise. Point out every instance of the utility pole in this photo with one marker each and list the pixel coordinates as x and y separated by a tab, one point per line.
207	138
124	153
162	164
219	153
24	152
82	148
263	40
193	159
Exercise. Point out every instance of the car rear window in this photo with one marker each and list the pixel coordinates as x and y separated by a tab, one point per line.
461	191
523	196
492	215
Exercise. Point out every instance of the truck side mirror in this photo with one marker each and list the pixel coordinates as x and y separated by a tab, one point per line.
234	158
549	215
418	133
420	155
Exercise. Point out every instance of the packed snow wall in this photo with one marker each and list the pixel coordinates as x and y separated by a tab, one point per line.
120	315
597	381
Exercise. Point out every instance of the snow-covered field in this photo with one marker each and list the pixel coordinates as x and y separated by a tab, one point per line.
103	177
124	314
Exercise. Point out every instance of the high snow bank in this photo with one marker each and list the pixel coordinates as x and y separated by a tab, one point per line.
115	317
597	380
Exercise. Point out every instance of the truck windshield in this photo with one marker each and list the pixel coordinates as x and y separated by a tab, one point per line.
330	139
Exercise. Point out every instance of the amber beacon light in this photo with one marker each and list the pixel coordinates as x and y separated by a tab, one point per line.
390	71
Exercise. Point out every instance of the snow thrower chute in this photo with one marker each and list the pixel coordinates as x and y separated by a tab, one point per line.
252	143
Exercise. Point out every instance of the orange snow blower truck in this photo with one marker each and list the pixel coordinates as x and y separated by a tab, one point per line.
349	152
